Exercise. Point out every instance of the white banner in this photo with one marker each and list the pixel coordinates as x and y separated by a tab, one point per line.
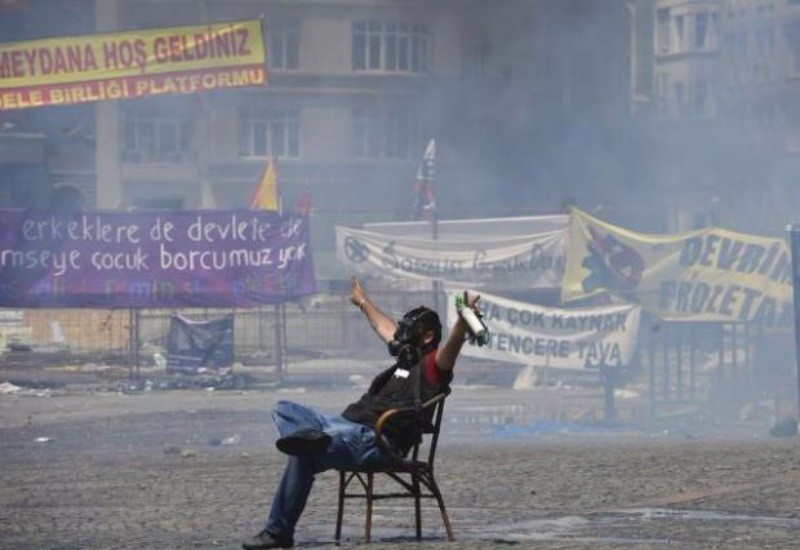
471	229
535	335
517	262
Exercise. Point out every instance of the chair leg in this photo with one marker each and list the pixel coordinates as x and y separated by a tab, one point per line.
340	511
445	518
417	504
368	527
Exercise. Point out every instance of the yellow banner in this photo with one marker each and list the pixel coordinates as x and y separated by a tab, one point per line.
131	64
704	275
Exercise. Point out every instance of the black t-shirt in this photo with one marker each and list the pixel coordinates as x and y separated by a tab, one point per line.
394	388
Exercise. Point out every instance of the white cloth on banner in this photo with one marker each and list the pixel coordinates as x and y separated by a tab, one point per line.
541	336
530	261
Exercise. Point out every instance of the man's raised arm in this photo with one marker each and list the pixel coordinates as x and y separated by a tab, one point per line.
383	325
448	353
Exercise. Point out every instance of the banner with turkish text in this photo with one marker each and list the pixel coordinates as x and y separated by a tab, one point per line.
529	334
521	262
131	64
202	258
708	274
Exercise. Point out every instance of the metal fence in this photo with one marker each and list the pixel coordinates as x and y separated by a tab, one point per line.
326	325
723	366
719	365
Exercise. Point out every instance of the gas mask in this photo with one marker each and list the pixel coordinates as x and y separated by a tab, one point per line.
406	344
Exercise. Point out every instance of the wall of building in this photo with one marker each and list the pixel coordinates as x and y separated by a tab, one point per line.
733	152
42	150
324	91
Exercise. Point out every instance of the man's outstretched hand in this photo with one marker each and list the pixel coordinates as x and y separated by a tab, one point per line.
357	294
471	301
383	325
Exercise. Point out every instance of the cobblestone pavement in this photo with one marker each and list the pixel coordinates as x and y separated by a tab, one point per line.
196	469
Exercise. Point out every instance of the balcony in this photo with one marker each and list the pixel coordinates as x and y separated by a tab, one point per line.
172	166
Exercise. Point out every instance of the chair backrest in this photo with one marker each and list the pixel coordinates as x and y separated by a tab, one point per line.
432	411
433	429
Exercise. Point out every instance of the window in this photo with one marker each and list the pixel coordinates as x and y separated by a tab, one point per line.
679	99
764	117
663	30
764	44
661	93
679	33
703	100
703	219
394	47
740	46
794	58
283	45
274	134
476	56
155	139
793	46
155	203
700	30
736	49
713	37
383	134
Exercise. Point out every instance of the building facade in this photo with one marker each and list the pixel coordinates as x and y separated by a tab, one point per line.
530	103
686	87
726	91
762	76
353	95
47	154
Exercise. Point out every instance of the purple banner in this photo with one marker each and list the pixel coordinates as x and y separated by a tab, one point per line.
201	258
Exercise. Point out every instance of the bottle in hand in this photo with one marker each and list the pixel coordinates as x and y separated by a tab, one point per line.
477	328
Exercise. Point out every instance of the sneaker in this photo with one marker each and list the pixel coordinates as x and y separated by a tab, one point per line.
304	442
265	540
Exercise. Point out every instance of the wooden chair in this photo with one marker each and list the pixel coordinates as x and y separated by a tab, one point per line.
413	474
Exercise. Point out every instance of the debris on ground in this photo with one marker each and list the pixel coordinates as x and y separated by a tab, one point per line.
228	381
786	427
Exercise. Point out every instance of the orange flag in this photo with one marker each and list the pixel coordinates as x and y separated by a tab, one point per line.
266	196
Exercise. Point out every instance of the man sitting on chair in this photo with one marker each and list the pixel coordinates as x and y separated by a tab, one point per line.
316	442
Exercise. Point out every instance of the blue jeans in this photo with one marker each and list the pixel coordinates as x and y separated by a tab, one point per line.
353	445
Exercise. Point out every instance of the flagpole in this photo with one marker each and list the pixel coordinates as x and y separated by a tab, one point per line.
794	244
425	199
435	236
436	282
